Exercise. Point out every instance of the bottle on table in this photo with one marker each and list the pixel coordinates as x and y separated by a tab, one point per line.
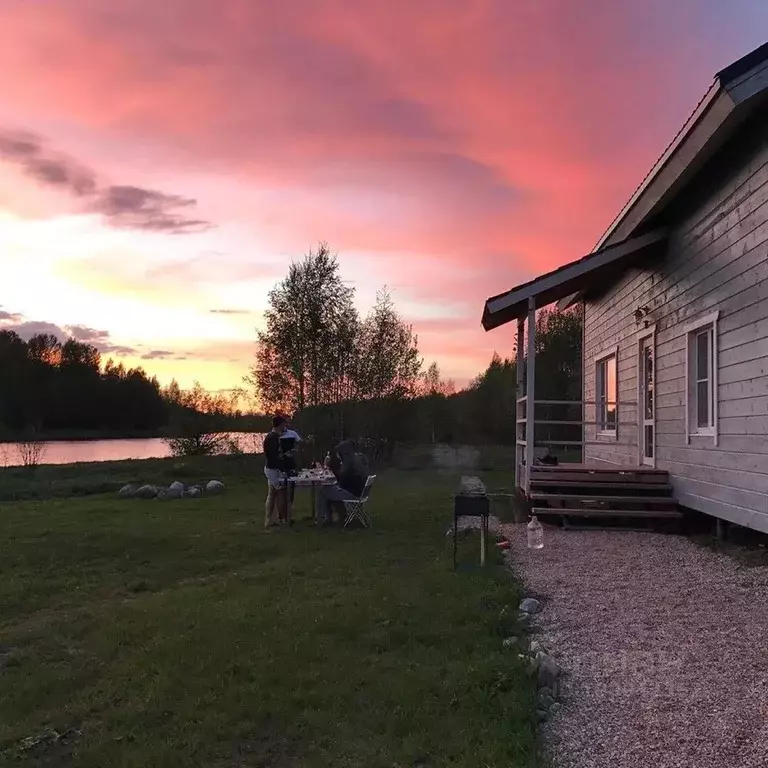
535	534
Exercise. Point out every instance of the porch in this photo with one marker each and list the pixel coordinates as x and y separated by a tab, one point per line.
572	430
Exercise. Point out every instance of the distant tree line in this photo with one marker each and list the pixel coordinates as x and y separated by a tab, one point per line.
48	386
343	375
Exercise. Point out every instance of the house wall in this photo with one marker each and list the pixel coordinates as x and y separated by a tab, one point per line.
717	260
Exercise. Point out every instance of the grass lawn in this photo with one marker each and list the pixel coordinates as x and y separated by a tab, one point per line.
180	633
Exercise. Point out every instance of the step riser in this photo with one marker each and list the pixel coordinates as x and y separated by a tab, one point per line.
625	513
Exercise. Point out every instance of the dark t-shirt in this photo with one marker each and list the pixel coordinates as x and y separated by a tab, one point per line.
272	451
353	474
288	463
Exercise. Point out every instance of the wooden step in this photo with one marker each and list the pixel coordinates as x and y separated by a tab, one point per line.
624	486
575	512
588	477
592	499
596	470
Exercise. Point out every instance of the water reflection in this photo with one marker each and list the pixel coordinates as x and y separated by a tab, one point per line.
72	451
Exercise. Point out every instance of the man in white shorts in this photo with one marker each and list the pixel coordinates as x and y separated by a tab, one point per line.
273	470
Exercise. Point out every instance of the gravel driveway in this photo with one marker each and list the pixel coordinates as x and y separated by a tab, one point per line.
664	647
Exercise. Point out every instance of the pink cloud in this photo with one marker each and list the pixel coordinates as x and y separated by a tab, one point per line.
459	146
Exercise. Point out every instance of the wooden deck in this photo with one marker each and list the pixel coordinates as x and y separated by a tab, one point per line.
569	491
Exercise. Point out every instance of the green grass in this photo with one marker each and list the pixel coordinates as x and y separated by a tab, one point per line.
67	480
179	633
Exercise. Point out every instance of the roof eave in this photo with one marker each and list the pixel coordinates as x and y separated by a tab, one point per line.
567	280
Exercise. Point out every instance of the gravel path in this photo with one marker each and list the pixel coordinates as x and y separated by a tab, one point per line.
664	647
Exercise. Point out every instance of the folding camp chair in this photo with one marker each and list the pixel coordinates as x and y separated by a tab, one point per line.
355	508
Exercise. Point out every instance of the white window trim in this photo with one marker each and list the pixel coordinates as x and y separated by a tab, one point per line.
710	320
604	355
640	337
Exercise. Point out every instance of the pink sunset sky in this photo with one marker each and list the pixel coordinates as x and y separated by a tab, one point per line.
161	163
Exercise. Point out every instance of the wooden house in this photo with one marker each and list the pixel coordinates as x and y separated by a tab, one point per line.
675	307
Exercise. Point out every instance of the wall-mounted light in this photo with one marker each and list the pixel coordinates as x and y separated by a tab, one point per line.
641	315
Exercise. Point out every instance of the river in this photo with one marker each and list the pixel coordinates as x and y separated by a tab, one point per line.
72	451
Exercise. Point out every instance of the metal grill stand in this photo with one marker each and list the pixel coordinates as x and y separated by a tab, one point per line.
471	505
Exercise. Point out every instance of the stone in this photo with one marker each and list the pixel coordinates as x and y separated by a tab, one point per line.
545	701
128	491
176	486
174	492
194	492
146	492
524	622
536	647
546	692
555	708
541	714
46	736
162	493
530	605
214	487
549	673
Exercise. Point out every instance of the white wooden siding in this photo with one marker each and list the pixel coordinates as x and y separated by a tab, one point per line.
718	260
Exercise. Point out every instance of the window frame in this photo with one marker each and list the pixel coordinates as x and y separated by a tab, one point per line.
640	338
600	424
693	330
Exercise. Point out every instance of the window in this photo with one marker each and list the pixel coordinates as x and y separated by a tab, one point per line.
702	377
605	385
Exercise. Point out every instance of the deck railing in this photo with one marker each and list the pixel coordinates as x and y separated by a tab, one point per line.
571	415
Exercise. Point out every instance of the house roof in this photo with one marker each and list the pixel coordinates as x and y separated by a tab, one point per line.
734	95
576	276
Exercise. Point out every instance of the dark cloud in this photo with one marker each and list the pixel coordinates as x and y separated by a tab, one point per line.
230	311
100	340
157	354
89	335
26	329
26	150
29	328
118	350
128	207
122	206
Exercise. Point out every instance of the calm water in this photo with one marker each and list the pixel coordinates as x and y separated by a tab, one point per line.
71	451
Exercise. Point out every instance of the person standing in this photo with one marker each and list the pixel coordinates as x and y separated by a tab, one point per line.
273	471
289	442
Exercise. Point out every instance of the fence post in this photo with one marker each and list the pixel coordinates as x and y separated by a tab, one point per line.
530	392
520	377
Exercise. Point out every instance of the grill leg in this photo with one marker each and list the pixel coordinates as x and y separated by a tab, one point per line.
455	538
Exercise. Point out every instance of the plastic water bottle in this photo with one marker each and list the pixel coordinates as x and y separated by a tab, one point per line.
535	534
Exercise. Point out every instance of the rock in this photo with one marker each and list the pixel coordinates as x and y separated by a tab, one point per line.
194	492
162	493
174	492
536	647
524	622
146	492
214	487
128	491
44	737
530	605
549	673
545	701
176	486
541	714
546	692
555	708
